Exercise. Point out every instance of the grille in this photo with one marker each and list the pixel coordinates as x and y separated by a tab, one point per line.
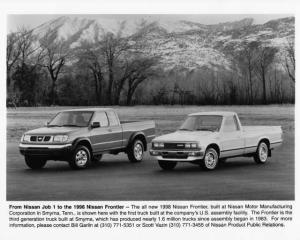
40	138
175	155
174	146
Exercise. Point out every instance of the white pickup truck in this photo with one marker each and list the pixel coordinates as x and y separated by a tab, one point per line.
209	137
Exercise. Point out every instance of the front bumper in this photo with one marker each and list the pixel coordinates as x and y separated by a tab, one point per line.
49	151
177	155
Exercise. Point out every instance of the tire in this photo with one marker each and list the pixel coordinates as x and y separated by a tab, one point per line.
81	158
167	165
211	159
136	151
261	154
35	162
97	158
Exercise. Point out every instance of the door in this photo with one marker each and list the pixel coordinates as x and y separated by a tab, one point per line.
231	138
100	137
116	130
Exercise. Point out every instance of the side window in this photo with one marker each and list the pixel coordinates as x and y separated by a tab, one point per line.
236	123
230	124
112	118
101	118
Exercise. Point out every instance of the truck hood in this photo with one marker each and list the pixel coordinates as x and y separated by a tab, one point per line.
53	130
183	136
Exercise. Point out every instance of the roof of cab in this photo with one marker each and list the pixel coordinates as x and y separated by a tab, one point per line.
216	113
87	109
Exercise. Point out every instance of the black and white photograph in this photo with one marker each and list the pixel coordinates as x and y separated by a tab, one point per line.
148	107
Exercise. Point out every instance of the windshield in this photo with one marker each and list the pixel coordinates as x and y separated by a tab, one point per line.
202	123
71	119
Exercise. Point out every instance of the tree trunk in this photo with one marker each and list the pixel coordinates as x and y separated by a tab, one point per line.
264	86
110	84
53	95
250	81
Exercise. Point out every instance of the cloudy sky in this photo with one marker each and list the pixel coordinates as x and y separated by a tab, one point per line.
31	21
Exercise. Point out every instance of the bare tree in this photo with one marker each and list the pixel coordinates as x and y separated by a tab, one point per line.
290	59
265	58
145	68
21	50
55	55
91	58
246	60
119	53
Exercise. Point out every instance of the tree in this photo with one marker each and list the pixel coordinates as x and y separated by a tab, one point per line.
290	59
265	58
120	53
90	57
246	59
26	77
113	46
143	69
21	50
55	55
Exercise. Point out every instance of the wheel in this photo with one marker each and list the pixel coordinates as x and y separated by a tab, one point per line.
211	159
35	162
167	165
81	158
261	154
136	151
97	158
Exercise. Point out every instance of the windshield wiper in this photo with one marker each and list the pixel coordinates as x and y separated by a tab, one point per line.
204	129
184	129
53	125
70	125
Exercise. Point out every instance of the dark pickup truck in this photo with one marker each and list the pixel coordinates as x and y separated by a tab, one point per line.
81	136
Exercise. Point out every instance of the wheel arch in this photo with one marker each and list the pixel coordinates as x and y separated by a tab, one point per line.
140	136
267	141
214	146
85	142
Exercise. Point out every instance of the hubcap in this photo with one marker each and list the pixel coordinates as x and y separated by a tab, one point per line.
138	151
263	152
210	160
81	158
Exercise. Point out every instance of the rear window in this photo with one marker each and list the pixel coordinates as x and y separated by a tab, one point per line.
112	118
230	124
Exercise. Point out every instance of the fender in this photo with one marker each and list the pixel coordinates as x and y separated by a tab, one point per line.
77	140
134	135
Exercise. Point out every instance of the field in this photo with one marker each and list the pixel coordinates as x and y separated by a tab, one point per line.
114	178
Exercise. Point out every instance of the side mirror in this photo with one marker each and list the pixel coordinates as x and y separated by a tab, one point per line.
46	124
95	125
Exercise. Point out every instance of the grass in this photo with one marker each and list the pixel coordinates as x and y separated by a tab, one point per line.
167	118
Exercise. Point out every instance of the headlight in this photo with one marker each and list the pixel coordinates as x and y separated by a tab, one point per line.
25	138
60	138
194	145
158	145
191	145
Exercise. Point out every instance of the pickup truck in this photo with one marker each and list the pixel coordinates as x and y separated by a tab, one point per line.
206	138
82	136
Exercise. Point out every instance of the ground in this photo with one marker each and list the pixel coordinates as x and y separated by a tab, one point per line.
115	178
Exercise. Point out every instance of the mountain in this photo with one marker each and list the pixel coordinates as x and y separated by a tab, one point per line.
182	44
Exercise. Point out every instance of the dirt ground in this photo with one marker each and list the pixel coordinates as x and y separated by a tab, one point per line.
115	178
